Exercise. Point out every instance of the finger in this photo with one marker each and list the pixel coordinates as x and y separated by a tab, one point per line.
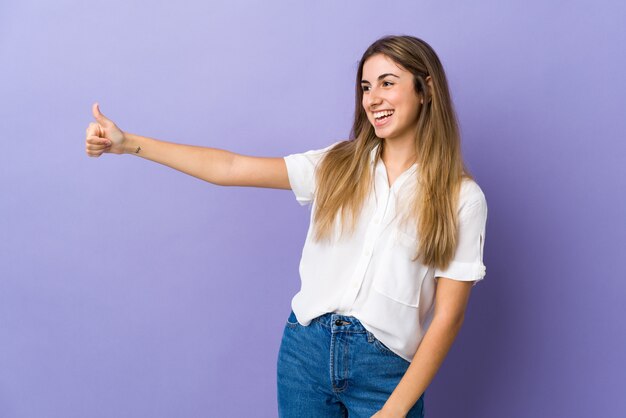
91	147
91	153
96	146
96	149
93	129
96	140
95	109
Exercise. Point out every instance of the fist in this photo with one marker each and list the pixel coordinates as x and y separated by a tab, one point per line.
103	135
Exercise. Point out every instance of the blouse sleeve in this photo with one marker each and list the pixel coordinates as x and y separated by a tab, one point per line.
301	172
467	263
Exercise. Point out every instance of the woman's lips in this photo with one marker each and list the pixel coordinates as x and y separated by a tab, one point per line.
383	122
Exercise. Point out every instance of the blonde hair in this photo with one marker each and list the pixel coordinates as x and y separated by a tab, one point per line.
344	178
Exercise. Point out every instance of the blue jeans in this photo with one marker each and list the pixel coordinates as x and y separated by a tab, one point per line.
334	367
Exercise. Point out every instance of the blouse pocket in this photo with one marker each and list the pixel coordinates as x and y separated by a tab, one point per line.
401	279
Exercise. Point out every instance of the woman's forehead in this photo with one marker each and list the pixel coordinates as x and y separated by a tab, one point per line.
379	64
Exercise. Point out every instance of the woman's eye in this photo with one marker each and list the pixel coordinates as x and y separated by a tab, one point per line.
364	88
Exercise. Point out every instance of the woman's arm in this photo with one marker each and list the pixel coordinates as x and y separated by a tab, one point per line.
220	167
213	165
451	301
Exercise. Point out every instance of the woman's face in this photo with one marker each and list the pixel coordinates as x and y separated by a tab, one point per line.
387	87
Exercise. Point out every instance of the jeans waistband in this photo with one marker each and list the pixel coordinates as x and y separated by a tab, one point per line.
340	323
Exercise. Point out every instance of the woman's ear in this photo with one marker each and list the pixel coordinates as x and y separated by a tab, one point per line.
429	81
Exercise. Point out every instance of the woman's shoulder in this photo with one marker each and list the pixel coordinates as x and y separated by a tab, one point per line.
471	193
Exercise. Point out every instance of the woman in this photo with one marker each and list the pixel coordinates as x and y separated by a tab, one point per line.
394	245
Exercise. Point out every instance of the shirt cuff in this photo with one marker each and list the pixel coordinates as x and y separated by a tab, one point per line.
465	272
299	190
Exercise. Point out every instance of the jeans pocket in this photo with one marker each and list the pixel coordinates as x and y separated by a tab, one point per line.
292	321
379	345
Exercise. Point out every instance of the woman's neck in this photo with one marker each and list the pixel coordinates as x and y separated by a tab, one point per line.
398	155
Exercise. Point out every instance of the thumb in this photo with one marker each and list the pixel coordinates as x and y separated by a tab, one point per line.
95	109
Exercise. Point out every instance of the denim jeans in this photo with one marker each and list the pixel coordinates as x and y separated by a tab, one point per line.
334	367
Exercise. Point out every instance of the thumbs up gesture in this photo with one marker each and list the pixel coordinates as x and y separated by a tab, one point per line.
103	135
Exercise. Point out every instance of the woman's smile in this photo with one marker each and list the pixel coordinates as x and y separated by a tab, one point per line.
382	118
382	121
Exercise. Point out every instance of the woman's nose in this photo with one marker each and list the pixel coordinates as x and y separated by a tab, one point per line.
373	99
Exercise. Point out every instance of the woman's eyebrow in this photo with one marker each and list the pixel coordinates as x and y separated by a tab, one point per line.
380	77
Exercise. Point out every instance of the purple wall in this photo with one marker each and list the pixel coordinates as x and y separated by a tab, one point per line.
128	289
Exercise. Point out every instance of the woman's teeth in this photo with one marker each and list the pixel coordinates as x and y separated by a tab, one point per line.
383	114
381	118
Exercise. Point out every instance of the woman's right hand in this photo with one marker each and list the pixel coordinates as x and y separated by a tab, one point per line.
103	135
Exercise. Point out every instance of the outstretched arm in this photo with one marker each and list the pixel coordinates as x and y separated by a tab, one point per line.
213	165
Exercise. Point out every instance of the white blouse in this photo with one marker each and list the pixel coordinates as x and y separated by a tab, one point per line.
370	275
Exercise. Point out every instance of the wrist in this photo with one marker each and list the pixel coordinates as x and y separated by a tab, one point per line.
130	144
394	410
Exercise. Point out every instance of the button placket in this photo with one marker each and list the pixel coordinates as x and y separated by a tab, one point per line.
371	237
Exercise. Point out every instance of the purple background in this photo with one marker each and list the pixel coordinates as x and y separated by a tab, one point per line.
128	289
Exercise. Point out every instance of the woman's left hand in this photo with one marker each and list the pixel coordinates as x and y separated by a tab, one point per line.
386	414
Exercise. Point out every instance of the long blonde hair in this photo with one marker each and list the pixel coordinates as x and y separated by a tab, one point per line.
344	177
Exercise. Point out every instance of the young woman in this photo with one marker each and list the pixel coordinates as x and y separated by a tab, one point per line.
394	246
